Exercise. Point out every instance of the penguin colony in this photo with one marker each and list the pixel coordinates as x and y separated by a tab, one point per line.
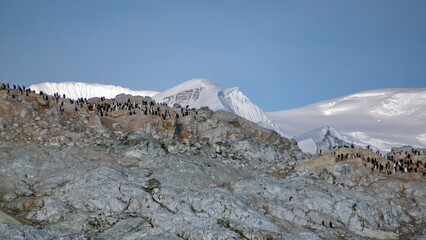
406	162
102	106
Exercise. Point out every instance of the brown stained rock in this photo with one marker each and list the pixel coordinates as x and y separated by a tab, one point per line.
109	123
28	205
128	123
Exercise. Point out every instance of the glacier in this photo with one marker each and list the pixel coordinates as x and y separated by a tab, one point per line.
194	93
382	118
76	90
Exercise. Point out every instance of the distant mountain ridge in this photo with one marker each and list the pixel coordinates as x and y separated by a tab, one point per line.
194	93
382	118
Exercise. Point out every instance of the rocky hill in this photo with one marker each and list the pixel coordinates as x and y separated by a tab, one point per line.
195	93
129	168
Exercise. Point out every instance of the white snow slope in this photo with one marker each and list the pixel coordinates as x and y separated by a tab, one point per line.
195	93
76	90
383	119
324	139
202	92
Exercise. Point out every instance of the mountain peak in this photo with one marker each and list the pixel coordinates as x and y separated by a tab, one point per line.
232	89
203	92
197	82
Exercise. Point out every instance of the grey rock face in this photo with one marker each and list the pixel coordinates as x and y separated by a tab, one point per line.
72	174
137	144
79	193
2	123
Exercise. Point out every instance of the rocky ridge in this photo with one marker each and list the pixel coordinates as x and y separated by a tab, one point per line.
69	171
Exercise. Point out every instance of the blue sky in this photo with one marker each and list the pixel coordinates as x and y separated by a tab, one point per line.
282	54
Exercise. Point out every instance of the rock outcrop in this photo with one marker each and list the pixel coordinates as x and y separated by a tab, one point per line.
71	174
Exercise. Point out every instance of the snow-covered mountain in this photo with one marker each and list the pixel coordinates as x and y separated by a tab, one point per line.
76	90
195	93
383	119
323	139
202	92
